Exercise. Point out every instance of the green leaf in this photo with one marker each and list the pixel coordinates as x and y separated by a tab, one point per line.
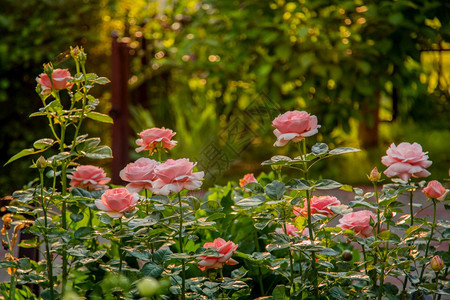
384	235
99	117
162	255
327	184
151	269
275	190
147	221
319	149
101	152
251	201
102	80
299	184
82	232
279	293
23	196
43	143
216	216
277	160
343	150
22	153
301	223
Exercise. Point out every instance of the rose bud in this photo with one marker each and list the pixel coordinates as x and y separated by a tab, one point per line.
436	263
347	255
374	175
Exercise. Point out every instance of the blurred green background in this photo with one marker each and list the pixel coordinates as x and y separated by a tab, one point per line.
217	72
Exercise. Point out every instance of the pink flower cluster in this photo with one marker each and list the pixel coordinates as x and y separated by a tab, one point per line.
172	176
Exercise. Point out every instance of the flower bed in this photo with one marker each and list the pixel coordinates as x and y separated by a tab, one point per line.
268	237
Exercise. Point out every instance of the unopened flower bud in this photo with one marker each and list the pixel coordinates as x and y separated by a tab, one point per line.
41	162
74	52
81	55
347	255
374	175
436	263
48	69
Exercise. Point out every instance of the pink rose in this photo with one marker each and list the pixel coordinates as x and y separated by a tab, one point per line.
151	137
60	79
294	125
358	221
176	175
319	205
117	201
225	249
247	179
406	160
140	174
435	190
89	177
291	230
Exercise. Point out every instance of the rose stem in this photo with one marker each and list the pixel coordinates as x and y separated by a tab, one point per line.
429	240
311	234
47	246
183	266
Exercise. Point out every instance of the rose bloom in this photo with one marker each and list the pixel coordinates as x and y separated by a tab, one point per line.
140	174
225	249
151	137
175	175
89	177
247	179
60	79
117	201
406	160
291	230
435	190
319	205
294	125
358	221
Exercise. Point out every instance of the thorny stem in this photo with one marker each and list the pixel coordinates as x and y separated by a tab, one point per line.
291	263
310	228
411	207
429	240
437	285
83	107
64	224
261	286
119	245
183	265
365	259
47	245
378	209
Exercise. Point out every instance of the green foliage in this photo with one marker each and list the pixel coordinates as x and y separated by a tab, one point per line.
34	32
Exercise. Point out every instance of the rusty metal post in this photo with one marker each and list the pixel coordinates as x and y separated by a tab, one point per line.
119	110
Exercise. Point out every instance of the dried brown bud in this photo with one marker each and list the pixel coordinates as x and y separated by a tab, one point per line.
7	220
347	255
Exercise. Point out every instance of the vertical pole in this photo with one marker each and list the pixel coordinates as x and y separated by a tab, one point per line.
119	110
